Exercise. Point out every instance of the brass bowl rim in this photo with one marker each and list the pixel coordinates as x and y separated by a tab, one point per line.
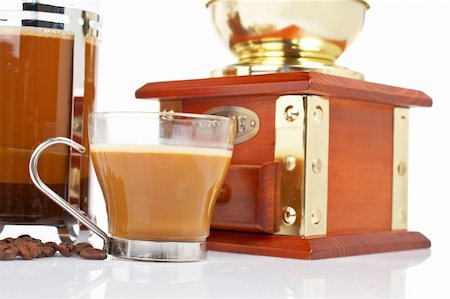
363	2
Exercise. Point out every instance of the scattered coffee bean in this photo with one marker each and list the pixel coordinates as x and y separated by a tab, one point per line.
8	251
81	246
90	253
28	248
66	249
52	245
47	251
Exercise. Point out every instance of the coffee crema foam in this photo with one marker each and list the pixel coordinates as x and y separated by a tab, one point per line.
37	32
160	149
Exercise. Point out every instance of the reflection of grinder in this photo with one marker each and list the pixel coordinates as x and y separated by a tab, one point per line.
321	165
47	88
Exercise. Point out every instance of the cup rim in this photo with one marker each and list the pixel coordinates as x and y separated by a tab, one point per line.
182	116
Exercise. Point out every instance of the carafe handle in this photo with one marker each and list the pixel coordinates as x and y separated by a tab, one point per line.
78	214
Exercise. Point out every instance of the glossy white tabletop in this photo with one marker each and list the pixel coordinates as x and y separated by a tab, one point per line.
225	275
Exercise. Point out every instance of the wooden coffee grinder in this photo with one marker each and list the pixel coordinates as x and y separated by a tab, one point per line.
320	166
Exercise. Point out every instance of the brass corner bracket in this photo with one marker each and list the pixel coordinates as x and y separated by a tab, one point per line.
301	145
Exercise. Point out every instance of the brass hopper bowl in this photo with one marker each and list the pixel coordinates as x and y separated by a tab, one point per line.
270	36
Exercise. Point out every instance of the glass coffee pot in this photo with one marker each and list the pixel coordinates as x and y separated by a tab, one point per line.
48	59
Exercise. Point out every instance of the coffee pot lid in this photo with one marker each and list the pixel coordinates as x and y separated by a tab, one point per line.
43	15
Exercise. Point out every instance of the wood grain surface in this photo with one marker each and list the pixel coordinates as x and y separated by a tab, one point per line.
360	167
285	83
247	199
315	248
360	162
259	149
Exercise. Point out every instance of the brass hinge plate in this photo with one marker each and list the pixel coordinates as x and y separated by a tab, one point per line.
290	152
301	145
400	169
314	221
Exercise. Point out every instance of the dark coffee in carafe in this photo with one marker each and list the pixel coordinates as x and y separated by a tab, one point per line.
48	59
35	104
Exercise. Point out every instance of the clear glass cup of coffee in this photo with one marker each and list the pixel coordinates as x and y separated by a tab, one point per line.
160	174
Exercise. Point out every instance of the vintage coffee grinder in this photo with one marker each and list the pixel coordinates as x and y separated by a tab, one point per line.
47	89
320	168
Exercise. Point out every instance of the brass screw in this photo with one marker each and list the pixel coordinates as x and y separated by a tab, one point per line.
318	113
316	217
168	111
289	215
317	166
291	113
290	162
401	168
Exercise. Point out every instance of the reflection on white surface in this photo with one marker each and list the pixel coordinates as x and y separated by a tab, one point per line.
223	275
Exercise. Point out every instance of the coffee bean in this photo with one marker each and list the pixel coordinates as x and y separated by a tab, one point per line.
52	245
93	254
66	249
25	238
9	240
81	246
47	250
28	250
8	251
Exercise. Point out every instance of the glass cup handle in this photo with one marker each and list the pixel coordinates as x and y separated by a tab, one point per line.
79	215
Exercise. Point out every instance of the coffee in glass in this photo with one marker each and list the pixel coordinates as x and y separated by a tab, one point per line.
160	174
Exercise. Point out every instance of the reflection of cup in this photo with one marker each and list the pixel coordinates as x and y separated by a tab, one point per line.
160	174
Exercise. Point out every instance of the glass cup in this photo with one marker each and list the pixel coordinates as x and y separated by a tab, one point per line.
160	174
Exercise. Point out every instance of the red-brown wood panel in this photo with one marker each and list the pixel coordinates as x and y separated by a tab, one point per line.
315	248
248	197
286	83
360	167
259	149
360	163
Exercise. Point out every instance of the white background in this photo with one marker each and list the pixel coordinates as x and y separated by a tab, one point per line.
403	43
